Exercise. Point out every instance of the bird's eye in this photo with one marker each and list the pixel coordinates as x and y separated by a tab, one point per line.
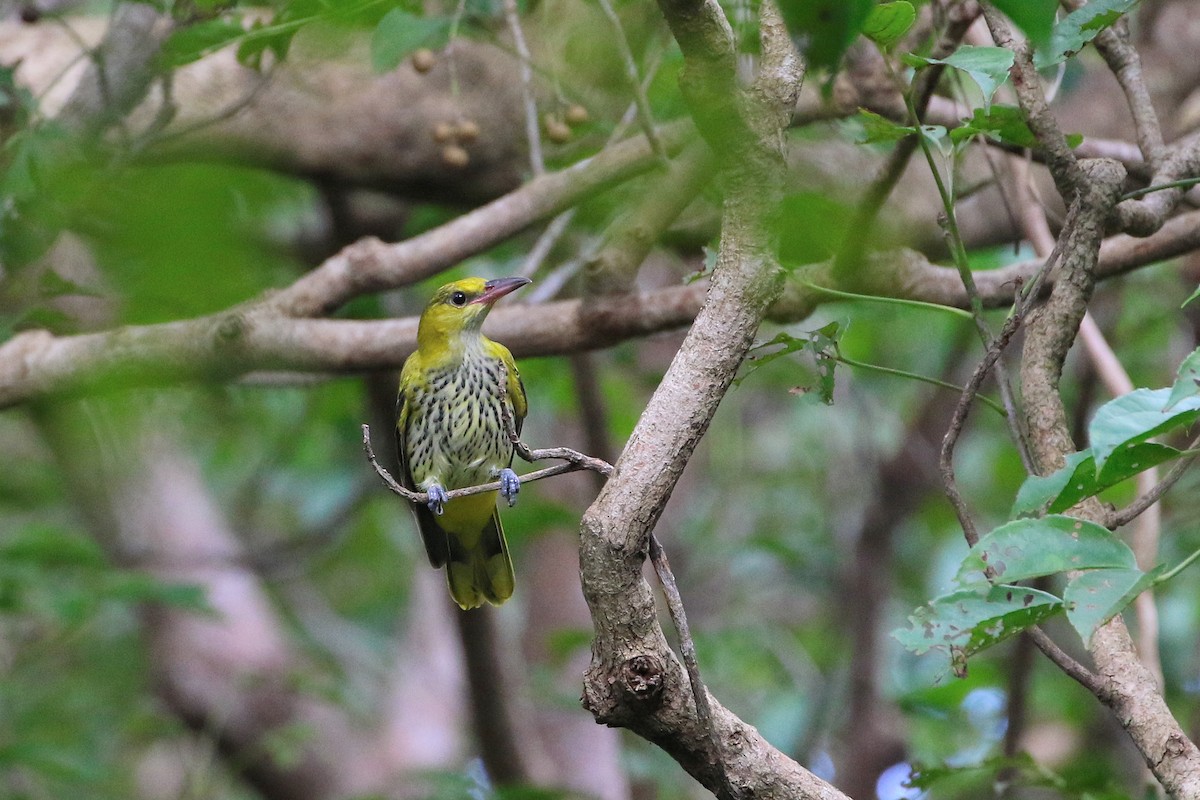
458	298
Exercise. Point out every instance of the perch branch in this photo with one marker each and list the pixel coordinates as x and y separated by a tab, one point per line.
575	461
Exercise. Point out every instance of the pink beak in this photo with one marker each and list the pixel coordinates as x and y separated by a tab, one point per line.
495	289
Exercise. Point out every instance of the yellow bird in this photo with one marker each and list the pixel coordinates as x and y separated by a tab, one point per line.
450	434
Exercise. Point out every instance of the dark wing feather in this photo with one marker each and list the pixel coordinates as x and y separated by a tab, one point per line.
431	533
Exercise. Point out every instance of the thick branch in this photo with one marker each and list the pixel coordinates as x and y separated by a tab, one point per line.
1127	687
37	364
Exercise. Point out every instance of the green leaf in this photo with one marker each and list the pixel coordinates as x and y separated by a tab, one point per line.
968	620
1031	548
1034	17
825	28
1077	479
888	22
1038	491
399	33
1078	28
1136	417
48	546
1187	380
1097	596
1002	123
881	129
987	66
1191	297
193	42
135	587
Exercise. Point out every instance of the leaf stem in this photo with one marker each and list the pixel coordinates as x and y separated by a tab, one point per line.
851	362
1183	183
1178	568
958	312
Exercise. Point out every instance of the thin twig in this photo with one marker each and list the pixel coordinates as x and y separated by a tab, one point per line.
687	648
946	460
532	131
1139	506
575	461
635	82
1070	667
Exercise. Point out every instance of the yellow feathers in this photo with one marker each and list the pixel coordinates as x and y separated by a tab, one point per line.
450	434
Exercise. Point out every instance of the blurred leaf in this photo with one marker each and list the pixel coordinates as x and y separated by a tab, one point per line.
1192	297
1187	381
1136	417
1031	548
968	620
184	239
193	42
812	227
47	759
1002	123
289	744
399	33
881	129
888	22
135	587
48	546
1097	596
822	343
1034	17
825	28
1077	479
1078	28
987	66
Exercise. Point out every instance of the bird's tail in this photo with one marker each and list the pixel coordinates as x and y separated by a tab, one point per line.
483	573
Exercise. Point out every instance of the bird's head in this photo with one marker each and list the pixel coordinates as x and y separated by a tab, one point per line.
459	308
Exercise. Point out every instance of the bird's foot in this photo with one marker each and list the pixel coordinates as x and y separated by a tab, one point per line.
510	486
437	499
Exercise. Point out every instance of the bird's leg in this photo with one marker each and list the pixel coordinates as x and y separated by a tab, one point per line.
437	498
510	485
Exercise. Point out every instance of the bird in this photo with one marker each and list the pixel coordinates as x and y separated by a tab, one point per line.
451	434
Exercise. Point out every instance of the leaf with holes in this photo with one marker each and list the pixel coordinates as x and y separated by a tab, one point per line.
1187	381
968	620
1031	548
1098	595
888	22
1078	28
1136	417
1077	479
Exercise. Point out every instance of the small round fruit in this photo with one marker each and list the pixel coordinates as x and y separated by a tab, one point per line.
423	60
443	132
576	114
455	156
557	131
468	130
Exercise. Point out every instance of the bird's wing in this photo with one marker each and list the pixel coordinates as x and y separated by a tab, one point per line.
515	388
431	533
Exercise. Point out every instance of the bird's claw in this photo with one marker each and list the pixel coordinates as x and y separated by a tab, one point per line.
510	486
437	499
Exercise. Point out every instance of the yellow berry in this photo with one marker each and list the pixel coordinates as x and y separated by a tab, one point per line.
557	131
576	114
468	130
455	156
423	60
443	132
